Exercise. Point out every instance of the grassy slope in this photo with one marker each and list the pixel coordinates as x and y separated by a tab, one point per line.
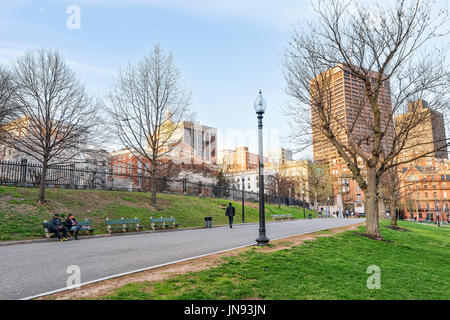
21	216
414	265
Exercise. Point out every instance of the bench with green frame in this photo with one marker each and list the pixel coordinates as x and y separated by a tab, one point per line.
123	224
163	223
282	216
85	226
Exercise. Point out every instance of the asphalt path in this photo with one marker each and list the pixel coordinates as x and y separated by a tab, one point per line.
28	270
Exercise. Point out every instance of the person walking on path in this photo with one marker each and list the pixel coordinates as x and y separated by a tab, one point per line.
230	213
55	225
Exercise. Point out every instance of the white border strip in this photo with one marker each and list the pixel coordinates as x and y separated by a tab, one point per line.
166	264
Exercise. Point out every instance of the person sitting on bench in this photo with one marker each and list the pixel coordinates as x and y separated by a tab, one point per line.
72	225
55	225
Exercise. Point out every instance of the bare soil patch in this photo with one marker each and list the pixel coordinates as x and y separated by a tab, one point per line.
397	228
100	289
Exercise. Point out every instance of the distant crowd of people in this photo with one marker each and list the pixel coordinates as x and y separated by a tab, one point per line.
338	214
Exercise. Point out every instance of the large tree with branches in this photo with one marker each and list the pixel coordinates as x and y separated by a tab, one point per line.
147	106
55	118
7	91
382	47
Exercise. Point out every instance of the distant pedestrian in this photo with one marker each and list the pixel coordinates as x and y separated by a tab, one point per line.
230	213
56	226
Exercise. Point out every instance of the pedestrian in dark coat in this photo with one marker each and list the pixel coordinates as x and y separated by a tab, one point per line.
231	212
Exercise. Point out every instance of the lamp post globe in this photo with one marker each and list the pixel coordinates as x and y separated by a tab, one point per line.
260	104
260	107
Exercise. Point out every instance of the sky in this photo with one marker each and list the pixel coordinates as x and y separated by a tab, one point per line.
226	50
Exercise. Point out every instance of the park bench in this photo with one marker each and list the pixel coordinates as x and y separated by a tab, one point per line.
282	216
86	226
163	223
122	224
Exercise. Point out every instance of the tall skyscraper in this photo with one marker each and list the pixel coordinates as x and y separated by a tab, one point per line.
349	111
351	118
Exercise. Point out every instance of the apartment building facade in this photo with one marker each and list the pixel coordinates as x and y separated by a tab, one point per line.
351	117
239	160
429	136
425	190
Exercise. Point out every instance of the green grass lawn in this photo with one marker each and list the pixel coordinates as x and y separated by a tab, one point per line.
414	265
21	216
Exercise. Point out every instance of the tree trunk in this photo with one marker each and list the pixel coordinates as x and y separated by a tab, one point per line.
381	208
393	213
316	205
154	181
42	182
373	226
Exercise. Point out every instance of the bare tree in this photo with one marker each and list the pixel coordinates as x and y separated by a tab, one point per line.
7	91
341	184
279	183
319	182
224	174
147	105
56	119
394	189
381	49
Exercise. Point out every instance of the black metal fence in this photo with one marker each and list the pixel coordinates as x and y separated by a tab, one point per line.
26	174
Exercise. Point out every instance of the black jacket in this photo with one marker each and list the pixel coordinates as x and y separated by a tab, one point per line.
69	223
230	211
55	223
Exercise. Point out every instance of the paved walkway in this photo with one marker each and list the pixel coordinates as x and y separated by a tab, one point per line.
31	269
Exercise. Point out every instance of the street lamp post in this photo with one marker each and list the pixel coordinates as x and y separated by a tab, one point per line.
260	108
437	214
328	207
243	194
303	194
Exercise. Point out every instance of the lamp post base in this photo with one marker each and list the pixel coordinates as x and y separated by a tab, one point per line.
262	240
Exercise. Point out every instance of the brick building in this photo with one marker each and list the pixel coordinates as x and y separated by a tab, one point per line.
425	190
239	160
